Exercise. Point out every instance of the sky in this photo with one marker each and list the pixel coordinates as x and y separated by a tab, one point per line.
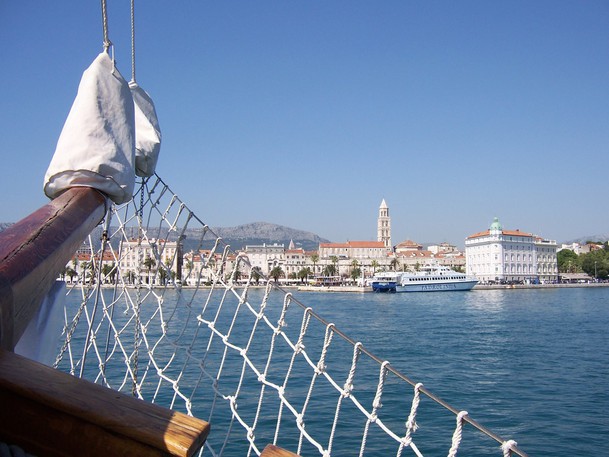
309	113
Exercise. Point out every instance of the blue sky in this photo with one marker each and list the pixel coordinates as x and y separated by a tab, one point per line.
309	113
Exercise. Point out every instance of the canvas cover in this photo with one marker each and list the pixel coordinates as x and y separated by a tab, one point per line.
147	132
96	147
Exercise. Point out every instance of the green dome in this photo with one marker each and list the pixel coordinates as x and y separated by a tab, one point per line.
496	225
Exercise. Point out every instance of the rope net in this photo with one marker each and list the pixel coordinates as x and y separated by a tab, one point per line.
164	310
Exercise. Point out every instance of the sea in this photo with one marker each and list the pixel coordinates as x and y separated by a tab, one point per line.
531	365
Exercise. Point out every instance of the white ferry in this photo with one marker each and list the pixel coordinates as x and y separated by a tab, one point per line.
435	278
386	281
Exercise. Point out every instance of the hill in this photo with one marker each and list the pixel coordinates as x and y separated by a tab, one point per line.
255	233
264	232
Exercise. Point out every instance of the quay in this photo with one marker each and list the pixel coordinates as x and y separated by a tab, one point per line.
360	289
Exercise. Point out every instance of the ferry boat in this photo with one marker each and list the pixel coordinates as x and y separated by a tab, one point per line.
435	278
386	281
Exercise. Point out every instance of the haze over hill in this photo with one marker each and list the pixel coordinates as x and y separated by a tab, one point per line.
256	233
266	232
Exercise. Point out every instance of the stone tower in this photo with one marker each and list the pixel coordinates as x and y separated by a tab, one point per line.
384	225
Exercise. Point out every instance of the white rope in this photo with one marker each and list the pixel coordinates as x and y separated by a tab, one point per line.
107	42
457	435
507	447
133	41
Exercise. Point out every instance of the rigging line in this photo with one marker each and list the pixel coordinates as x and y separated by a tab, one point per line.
133	40
107	42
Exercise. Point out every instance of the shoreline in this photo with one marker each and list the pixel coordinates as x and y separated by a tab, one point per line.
359	289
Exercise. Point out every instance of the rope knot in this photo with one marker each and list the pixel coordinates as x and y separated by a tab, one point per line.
507	447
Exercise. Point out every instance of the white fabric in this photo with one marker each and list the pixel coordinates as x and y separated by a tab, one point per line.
96	147
147	132
40	338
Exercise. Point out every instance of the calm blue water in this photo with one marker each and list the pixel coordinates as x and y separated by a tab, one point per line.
530	365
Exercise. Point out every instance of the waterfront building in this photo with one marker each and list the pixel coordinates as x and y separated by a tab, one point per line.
295	260
370	255
413	260
444	248
265	257
408	246
498	255
384	225
199	266
354	250
154	262
578	248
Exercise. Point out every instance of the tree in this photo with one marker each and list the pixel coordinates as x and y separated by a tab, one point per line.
329	270
374	265
256	274
314	259
276	273
304	274
568	261
334	260
163	275
596	264
394	264
70	273
149	263
355	273
109	272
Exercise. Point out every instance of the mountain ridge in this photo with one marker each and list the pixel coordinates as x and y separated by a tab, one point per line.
260	232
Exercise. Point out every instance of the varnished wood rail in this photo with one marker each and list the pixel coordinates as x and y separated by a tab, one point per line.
35	250
48	412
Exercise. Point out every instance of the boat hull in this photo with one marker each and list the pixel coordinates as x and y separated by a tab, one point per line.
437	286
384	286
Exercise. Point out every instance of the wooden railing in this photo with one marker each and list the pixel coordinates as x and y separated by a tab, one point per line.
49	412
34	251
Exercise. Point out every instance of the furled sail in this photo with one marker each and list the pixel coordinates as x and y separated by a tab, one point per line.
96	147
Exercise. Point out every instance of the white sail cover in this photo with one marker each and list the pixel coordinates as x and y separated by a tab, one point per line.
147	132
96	147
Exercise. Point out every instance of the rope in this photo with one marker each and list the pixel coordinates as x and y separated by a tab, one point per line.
457	435
133	41
507	447
107	42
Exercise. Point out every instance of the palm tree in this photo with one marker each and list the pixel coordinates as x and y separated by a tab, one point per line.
314	259
276	273
355	273
374	265
394	264
304	274
334	260
149	263
107	272
256	274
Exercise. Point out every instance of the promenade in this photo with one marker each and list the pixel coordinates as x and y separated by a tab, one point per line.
360	289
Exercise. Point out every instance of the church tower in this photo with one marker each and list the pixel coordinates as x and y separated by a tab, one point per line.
384	225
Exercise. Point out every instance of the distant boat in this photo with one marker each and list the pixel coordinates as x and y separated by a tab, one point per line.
386	281
435	278
430	278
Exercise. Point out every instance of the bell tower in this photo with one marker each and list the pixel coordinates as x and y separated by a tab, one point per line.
384	225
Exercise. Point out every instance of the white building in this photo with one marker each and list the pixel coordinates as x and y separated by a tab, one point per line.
295	260
155	262
510	255
266	257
